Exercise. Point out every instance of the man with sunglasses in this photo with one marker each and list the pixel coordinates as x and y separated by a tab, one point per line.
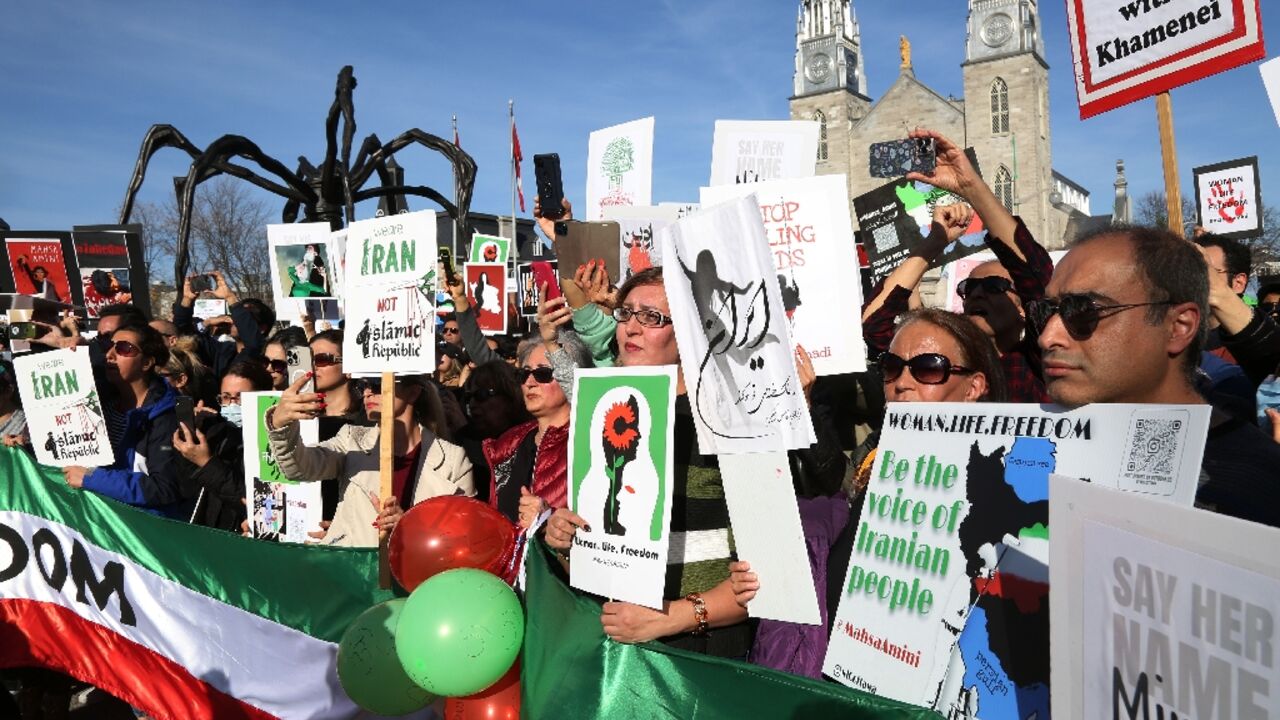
1123	321
995	294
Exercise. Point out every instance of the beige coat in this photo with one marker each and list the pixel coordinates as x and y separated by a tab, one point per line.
352	457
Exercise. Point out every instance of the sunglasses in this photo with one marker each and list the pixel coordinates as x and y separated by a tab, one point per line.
373	384
477	396
449	331
646	318
277	366
1080	313
991	285
926	368
321	360
543	374
124	348
1268	308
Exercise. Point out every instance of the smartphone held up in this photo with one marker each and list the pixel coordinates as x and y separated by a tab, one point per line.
896	158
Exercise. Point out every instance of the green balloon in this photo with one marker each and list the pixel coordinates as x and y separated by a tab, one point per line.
368	669
460	632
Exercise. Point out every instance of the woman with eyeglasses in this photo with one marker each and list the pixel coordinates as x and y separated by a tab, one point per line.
425	465
213	451
139	408
13	421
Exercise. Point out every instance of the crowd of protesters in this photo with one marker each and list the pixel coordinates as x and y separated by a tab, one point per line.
1129	315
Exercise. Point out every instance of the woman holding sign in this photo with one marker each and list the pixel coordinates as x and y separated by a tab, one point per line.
425	465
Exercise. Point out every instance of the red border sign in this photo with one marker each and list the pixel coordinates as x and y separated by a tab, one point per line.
1225	33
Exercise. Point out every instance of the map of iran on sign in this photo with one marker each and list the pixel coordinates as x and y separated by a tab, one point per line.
1127	50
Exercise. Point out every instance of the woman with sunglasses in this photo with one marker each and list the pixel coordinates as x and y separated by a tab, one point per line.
344	404
276	354
425	465
139	408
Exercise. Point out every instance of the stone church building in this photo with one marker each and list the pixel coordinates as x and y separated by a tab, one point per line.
1004	114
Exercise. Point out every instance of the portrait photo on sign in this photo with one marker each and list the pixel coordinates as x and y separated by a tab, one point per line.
487	293
304	271
104	286
39	269
530	277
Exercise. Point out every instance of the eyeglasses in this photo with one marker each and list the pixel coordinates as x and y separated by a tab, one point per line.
321	360
991	285
647	318
1080	313
1269	308
228	398
449	331
543	374
277	366
927	368
477	396
124	348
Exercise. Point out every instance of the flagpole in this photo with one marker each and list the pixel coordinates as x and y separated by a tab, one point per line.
514	254
453	243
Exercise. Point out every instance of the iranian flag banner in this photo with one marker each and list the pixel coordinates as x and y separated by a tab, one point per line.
177	620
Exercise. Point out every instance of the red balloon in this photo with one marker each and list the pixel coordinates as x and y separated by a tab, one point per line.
446	533
500	702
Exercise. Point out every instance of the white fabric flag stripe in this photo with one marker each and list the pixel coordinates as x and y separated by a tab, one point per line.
178	624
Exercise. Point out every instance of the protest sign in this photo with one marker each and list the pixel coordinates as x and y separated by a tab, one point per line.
896	217
746	151
1159	610
619	167
487	293
395	250
40	264
638	229
530	277
301	262
205	308
812	249
279	508
620	473
106	270
490	249
1229	198
931	547
390	329
1126	50
735	347
1271	81
99	246
65	420
767	534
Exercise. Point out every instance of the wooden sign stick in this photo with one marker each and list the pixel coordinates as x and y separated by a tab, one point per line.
1169	151
386	465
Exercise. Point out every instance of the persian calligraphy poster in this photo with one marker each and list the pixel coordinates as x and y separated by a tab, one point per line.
279	509
953	537
620	463
731	328
490	249
487	293
1229	198
639	227
812	251
750	151
39	267
106	270
1160	611
65	420
619	167
390	328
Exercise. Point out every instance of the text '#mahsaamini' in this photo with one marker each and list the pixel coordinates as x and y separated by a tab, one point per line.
1043	426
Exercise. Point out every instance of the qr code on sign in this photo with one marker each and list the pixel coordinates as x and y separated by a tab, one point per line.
885	237
1154	453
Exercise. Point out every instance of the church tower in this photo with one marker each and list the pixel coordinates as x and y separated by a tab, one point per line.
830	84
1006	89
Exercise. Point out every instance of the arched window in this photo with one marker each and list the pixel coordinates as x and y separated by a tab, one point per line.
821	119
999	107
1004	188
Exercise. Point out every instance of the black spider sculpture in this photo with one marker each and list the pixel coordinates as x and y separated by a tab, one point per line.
321	193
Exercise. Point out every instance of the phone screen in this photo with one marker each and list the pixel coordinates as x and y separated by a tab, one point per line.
186	412
298	360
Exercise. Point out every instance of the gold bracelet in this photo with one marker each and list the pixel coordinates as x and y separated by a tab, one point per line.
699	612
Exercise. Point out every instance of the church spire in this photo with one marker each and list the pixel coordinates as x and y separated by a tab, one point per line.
828	48
1123	212
998	28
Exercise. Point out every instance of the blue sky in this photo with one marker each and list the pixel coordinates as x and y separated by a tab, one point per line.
80	82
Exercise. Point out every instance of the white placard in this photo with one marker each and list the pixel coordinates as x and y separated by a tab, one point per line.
749	151
812	249
1271	81
395	250
768	534
1228	198
1160	611
735	347
619	167
390	328
640	226
205	308
65	418
952	487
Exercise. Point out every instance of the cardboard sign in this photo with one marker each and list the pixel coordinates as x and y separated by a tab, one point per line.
1126	50
621	447
106	270
767	533
65	420
730	325
744	151
279	509
955	486
1160	611
1229	198
619	167
390	328
490	249
811	249
487	293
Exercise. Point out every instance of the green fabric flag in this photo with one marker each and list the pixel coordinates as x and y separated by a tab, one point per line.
571	670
